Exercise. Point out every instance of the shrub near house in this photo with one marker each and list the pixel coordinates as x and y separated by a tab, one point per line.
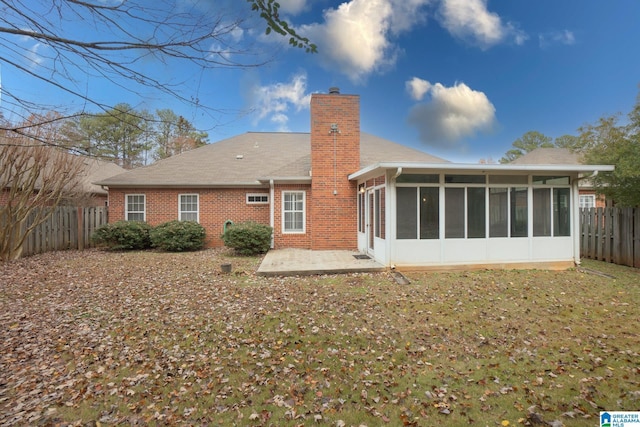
249	238
178	236
171	236
123	236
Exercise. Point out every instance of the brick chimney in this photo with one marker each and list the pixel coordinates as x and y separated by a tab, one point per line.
335	153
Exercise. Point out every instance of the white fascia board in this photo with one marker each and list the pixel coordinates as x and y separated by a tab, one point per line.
379	168
286	179
253	184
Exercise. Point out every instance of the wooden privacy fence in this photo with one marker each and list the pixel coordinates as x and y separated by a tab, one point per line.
67	228
611	235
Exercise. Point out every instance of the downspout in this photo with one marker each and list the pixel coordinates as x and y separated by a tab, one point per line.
398	173
580	178
272	211
391	219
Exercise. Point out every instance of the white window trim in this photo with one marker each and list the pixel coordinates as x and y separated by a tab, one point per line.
585	196
180	212
126	206
304	212
248	195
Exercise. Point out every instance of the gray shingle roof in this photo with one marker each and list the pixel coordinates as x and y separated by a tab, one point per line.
244	159
95	170
549	156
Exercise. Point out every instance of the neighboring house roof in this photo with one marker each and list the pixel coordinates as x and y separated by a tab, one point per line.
549	156
90	170
252	158
554	156
96	170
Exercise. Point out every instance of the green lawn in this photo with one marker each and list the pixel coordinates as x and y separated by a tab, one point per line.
146	338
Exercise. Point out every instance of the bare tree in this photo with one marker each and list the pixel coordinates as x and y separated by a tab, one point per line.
34	179
67	44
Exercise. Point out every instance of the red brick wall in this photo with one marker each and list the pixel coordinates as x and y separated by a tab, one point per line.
216	206
291	240
333	223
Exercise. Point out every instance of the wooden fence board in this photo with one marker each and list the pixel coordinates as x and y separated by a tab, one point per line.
636	239
611	235
595	231
584	230
67	228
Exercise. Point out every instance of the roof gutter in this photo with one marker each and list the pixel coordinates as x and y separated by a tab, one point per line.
252	184
286	179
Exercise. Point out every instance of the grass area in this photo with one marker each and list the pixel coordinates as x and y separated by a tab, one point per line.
153	338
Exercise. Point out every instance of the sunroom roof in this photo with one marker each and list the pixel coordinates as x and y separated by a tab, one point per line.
404	167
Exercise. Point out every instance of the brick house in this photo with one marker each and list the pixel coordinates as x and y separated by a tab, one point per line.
339	188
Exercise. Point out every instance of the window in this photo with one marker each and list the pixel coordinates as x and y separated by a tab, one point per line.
587	201
293	212
188	207
454	213
543	200
519	212
465	213
465	179
429	213
411	213
377	215
257	198
542	212
509	179
551	180
135	207
561	212
361	223
498	212
406	213
418	178
476	212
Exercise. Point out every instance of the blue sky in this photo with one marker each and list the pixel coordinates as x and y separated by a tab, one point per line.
461	79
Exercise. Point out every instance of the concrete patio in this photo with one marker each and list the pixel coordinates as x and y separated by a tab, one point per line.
296	262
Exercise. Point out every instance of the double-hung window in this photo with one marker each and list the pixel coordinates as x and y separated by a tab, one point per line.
587	201
188	207
135	207
293	211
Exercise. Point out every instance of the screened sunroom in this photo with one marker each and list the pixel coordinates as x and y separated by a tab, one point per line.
419	215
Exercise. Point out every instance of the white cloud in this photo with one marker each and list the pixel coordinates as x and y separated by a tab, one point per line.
274	102
417	88
33	56
471	20
237	34
451	113
564	37
292	7
355	38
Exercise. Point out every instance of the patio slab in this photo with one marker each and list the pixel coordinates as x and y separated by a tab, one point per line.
298	262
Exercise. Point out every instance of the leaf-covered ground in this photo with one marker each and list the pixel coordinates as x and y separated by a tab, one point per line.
146	338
